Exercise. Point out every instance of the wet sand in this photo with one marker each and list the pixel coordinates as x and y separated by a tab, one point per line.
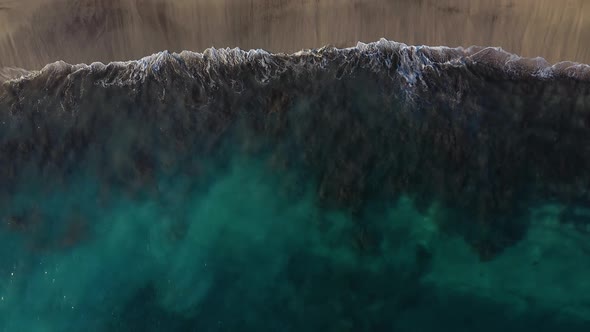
36	32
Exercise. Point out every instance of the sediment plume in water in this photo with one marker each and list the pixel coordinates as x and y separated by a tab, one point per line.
360	189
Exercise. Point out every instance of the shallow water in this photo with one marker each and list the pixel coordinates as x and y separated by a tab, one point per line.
379	188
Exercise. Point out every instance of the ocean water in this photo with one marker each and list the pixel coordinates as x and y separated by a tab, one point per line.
378	188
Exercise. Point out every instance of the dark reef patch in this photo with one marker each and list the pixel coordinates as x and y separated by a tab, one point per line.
481	131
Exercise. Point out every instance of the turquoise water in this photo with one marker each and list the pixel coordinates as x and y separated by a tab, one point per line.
244	246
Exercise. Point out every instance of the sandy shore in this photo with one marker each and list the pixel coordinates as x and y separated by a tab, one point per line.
36	32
